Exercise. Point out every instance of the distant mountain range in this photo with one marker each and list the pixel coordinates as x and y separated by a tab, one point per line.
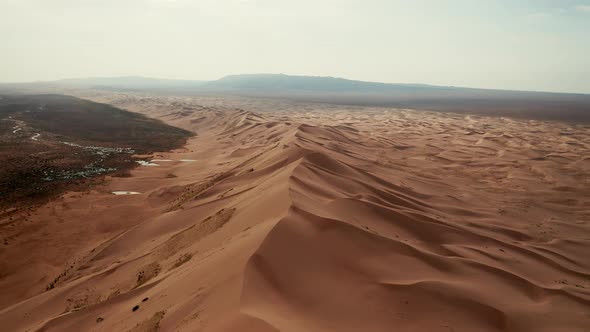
282	82
529	104
130	82
276	83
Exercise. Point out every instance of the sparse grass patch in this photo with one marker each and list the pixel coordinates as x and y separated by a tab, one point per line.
150	325
182	259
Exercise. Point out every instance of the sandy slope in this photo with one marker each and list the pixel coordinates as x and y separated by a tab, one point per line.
299	217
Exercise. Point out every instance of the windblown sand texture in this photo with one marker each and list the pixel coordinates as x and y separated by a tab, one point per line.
302	217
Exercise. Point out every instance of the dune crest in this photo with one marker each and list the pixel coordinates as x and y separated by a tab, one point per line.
309	218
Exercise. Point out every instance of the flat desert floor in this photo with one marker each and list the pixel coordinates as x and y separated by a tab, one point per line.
280	216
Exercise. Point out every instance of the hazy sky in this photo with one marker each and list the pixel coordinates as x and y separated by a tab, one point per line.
509	44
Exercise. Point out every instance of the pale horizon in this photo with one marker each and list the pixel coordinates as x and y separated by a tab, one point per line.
336	77
508	45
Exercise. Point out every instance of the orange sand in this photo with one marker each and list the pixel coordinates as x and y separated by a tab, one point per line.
302	217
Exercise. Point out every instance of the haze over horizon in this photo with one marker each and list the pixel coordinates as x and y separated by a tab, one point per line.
519	45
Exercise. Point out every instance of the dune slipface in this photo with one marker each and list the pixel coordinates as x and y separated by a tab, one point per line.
302	217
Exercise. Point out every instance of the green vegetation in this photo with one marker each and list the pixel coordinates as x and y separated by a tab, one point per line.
52	142
86	121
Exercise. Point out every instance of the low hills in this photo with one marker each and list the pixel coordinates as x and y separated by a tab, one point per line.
317	89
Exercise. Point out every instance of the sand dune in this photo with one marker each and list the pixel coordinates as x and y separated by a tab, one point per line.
302	217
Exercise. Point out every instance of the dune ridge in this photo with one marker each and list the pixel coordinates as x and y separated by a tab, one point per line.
310	220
